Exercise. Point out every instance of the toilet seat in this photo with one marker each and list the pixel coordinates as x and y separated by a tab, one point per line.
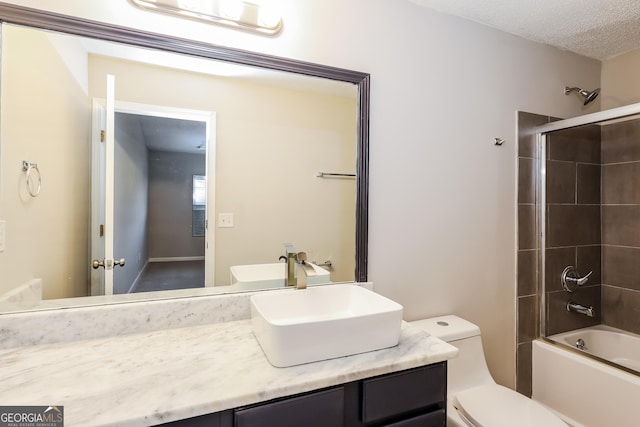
493	405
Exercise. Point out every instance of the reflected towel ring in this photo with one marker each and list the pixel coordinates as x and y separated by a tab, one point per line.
29	167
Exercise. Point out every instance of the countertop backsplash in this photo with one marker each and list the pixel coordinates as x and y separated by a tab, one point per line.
99	321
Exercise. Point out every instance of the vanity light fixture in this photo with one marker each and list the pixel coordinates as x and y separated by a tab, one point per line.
256	15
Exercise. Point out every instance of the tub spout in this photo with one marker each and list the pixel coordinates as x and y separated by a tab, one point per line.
579	308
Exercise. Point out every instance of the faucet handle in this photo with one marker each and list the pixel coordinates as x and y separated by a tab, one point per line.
301	257
571	279
581	280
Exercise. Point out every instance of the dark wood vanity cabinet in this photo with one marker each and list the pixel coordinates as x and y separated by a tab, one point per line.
316	409
411	398
416	397
219	419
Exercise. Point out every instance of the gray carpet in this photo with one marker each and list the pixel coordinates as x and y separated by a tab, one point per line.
164	276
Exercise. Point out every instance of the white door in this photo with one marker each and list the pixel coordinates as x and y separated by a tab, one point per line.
103	193
96	231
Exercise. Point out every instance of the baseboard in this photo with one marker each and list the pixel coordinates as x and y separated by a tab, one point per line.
135	281
177	259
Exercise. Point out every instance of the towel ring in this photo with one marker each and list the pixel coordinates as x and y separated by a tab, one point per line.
29	167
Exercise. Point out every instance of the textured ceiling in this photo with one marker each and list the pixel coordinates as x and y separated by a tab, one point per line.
175	135
599	29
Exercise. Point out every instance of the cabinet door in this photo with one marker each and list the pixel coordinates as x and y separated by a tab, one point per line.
218	419
319	409
432	419
408	391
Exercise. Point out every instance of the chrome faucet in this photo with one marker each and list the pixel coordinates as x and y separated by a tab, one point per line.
571	279
581	309
292	258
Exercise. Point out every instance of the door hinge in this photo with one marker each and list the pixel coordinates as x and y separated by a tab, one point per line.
103	136
101	230
206	224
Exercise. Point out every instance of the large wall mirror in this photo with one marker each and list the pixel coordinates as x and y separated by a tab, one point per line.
140	166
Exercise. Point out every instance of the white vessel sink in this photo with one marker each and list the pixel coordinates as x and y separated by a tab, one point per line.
260	275
323	322
263	276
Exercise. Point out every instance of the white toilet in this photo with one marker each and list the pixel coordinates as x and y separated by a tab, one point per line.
473	397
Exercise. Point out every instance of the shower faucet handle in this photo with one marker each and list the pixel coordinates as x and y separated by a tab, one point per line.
571	279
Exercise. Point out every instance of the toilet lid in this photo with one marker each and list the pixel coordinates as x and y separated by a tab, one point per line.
493	405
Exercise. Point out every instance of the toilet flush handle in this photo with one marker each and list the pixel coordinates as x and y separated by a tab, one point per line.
571	279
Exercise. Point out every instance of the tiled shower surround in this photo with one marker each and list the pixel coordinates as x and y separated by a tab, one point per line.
621	225
572	225
592	223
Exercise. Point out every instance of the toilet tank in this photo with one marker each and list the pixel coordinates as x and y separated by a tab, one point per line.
448	328
469	369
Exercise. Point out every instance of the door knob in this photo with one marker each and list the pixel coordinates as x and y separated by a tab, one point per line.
108	264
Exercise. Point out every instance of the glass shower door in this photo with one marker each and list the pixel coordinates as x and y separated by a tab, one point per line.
588	210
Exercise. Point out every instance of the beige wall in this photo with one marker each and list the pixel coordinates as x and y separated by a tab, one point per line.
620	82
270	142
442	233
49	125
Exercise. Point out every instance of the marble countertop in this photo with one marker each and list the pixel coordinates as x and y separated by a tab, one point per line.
155	377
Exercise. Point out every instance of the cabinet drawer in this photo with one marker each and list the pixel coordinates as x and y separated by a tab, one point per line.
395	394
432	419
320	409
217	419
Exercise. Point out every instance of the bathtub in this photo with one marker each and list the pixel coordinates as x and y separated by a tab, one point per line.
605	342
583	391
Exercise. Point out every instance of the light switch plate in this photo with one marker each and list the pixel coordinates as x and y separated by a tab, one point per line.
225	220
3	233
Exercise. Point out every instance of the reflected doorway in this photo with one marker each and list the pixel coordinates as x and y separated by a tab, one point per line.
157	228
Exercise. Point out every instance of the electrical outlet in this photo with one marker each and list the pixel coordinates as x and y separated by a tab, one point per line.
225	220
3	235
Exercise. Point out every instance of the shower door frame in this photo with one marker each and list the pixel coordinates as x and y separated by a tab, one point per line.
541	180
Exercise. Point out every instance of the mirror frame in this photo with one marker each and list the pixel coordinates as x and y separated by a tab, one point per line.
20	15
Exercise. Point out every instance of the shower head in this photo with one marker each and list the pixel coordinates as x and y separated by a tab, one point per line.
588	96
